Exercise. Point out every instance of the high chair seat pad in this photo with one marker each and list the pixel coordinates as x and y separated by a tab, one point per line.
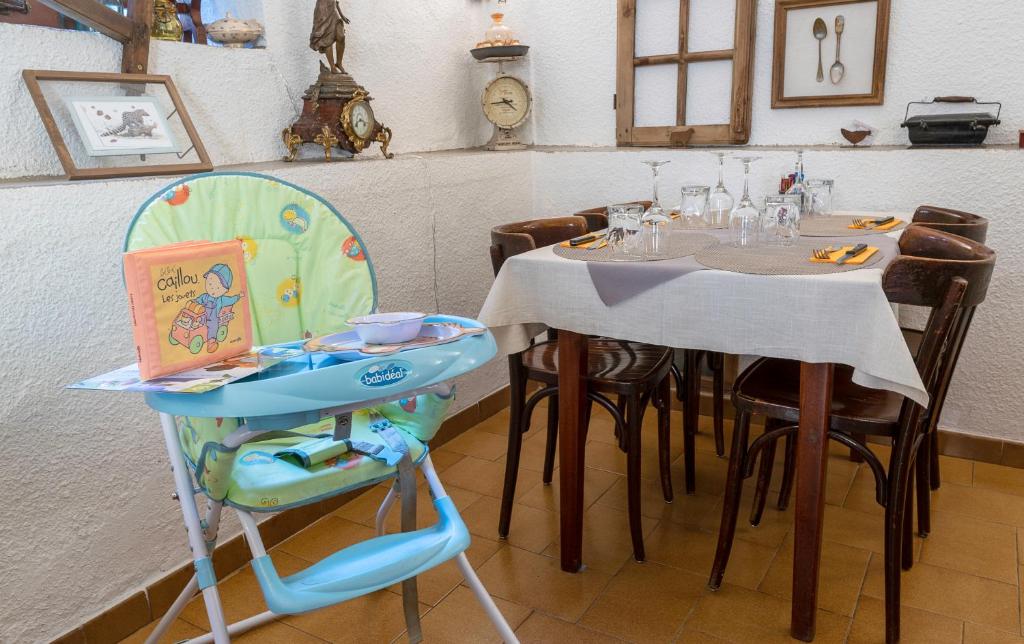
306	267
254	478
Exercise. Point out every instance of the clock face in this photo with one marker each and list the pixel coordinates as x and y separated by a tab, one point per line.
362	120
506	101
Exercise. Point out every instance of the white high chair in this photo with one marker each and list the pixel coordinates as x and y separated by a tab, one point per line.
316	426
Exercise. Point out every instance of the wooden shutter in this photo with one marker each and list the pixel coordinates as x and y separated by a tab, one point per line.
736	131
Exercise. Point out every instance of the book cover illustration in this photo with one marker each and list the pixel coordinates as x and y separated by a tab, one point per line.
189	305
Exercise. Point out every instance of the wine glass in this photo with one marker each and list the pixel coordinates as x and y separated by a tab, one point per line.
720	202
745	220
655	220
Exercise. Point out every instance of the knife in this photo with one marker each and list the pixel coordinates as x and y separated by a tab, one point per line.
853	252
585	239
881	222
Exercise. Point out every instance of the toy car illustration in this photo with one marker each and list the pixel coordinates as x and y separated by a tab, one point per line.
189	328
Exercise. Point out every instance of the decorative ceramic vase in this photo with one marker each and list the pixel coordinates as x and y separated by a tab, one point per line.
232	32
499	34
166	25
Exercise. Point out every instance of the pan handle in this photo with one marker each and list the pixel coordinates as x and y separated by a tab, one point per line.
955	99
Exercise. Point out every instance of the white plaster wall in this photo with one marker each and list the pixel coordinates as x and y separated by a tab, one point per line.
85	514
936	47
412	57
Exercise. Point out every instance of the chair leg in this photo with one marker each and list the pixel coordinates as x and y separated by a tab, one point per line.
385	508
893	557
907	549
716	361
665	437
691	418
924	489
855	457
731	502
196	538
933	455
764	480
788	472
633	481
482	596
551	441
517	401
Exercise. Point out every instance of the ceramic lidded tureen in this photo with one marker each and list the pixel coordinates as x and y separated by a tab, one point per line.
232	32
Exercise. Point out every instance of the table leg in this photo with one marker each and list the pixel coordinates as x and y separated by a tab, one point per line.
691	416
572	439
811	467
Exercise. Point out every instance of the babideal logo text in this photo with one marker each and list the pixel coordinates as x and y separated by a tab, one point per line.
385	374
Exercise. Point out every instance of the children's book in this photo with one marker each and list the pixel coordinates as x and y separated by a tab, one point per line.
189	305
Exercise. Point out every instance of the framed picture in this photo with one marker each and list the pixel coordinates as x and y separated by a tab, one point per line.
119	125
109	125
830	52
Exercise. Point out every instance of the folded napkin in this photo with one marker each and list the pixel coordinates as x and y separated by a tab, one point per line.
882	228
594	245
859	259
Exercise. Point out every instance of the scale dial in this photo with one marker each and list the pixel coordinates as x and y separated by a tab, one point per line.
507	102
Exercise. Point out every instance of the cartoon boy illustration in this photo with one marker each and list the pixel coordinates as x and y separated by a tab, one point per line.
215	299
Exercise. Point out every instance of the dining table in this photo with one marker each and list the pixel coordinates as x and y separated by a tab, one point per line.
819	320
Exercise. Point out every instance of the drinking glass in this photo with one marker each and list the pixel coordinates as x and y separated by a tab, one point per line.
720	202
818	200
745	219
655	229
624	228
693	206
781	224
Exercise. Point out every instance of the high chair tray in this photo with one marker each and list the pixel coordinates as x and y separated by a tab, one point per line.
316	381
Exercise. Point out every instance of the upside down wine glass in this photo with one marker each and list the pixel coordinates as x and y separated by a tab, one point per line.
720	202
655	221
745	220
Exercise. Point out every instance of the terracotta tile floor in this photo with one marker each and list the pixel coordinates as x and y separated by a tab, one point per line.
965	586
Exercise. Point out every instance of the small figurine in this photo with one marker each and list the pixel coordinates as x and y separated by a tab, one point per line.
328	35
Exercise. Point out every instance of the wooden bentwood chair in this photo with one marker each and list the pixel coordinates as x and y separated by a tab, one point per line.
687	380
636	373
956	222
944	272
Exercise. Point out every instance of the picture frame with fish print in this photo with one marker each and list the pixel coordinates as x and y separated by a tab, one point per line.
113	125
119	125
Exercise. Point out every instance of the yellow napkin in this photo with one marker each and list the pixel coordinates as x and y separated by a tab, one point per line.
859	259
594	245
883	228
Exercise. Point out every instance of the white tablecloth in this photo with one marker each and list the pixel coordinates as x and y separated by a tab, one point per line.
842	318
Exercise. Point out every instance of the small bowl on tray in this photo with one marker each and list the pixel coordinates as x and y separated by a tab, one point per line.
388	328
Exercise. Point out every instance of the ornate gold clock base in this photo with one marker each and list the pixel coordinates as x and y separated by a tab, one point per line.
505	139
322	120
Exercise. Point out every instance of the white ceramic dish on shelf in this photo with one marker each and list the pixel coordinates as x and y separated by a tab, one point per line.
387	328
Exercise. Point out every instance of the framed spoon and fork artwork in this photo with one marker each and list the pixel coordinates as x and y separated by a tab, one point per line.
830	52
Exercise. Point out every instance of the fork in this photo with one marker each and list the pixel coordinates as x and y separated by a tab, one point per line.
871	223
823	253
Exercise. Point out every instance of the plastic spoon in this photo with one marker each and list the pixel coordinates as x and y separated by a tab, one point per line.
820	32
837	70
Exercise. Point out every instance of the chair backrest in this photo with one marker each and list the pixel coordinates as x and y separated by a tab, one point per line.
512	239
597	218
957	222
949	274
307	269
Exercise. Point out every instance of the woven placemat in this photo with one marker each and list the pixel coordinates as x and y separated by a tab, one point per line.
774	260
679	245
839	226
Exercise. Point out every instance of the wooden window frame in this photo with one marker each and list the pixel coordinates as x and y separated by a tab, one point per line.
735	132
132	32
